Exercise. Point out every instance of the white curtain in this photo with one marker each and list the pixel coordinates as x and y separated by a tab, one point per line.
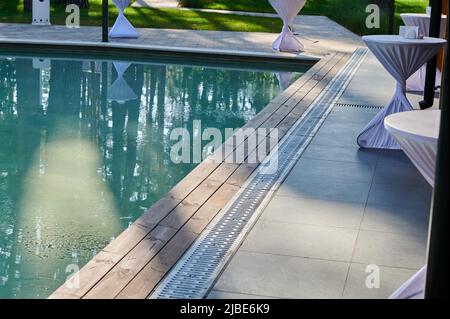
401	61
122	28
287	10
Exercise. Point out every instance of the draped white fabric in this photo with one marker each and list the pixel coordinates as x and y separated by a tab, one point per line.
414	288
417	133
417	81
120	91
401	58
422	21
122	28
287	10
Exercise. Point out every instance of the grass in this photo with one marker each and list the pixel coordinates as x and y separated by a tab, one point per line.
349	13
11	11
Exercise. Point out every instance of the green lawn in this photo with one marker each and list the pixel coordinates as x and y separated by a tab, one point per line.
12	11
349	13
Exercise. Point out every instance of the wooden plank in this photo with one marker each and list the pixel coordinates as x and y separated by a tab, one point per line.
211	208
147	279
90	274
128	267
111	285
154	271
181	214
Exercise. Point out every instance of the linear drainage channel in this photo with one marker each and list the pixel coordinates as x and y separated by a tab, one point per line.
195	273
358	106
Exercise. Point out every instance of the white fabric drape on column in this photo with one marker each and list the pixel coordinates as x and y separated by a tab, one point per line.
287	10
122	28
401	58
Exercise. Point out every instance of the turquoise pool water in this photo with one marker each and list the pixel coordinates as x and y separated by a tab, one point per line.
84	151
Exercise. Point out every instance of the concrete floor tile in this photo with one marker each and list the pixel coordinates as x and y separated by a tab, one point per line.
342	139
325	188
353	115
300	240
352	153
407	196
395	219
388	249
393	158
217	294
390	279
283	276
399	175
314	212
336	170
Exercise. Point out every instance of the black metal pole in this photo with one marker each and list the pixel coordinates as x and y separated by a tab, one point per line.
391	11
105	16
437	283
430	78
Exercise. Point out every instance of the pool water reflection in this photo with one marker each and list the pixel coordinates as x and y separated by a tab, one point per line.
85	150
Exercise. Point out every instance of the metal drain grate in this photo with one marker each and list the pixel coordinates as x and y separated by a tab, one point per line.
359	106
194	274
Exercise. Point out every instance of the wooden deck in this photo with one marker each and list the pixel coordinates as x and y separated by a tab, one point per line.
134	263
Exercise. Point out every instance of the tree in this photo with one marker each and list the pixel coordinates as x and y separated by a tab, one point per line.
83	4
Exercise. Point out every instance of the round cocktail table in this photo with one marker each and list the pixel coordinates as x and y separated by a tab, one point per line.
122	28
421	20
287	10
417	132
401	58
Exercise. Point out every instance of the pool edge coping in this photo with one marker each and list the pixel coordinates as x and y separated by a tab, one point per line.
160	48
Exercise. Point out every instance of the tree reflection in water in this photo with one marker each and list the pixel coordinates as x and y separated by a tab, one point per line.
77	168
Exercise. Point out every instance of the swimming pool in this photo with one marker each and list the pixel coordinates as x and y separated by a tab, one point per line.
85	149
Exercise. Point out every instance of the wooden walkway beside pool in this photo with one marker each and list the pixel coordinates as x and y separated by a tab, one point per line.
133	264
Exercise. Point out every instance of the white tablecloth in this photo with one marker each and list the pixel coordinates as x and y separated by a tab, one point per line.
120	91
417	81
122	28
401	58
287	10
422	21
417	133
413	288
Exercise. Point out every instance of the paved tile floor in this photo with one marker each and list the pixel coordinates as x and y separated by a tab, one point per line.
340	210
